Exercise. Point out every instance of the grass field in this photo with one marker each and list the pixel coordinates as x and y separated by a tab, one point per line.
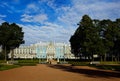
107	67
103	65
6	67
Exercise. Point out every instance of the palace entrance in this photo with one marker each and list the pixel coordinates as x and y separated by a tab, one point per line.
50	52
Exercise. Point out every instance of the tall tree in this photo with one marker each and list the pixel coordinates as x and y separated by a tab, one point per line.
116	39
85	37
4	37
96	37
11	36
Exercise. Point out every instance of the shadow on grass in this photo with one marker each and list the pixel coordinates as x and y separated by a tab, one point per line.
87	72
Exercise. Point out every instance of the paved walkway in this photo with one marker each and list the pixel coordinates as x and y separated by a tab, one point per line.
43	72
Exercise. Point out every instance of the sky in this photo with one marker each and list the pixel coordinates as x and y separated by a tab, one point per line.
54	20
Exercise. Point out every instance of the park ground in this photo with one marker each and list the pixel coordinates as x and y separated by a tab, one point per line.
47	72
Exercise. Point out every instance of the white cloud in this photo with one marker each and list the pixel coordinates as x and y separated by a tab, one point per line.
31	8
26	18
67	18
96	9
50	3
39	18
48	32
1	18
1	21
34	13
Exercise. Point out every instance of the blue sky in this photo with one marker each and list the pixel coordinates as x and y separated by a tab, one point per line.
54	20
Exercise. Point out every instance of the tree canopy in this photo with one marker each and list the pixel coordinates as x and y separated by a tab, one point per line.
96	37
11	36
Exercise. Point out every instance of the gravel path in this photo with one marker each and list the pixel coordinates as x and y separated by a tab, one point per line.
43	72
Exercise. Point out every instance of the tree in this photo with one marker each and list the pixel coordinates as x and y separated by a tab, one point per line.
96	37
4	36
85	38
11	36
116	40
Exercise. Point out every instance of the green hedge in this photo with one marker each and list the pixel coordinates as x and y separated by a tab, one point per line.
26	64
28	61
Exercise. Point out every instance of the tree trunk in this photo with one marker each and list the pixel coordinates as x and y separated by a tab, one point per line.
101	58
105	57
112	58
92	57
12	55
5	54
115	59
118	58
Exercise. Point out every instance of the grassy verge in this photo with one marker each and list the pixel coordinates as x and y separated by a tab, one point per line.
107	67
2	61
27	62
103	65
6	67
78	63
109	63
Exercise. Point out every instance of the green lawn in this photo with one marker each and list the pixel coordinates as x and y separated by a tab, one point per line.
103	65
78	63
6	67
107	67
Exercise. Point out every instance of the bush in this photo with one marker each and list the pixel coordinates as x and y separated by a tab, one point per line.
28	61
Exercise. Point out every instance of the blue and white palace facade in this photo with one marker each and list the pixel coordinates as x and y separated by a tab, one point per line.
46	50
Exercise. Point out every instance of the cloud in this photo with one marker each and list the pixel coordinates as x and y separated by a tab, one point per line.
39	18
51	20
32	8
26	18
34	13
1	18
1	21
48	32
96	9
9	6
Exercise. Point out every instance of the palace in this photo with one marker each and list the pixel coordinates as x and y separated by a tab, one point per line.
46	50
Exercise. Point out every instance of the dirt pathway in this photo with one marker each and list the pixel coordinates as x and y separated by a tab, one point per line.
43	72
